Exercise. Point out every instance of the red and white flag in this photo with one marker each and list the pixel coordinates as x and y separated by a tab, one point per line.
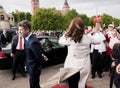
16	10
97	19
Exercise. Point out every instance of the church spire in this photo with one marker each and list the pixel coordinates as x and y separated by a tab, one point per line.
65	7
66	3
35	6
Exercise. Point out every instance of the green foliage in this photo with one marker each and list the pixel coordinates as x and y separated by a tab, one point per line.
51	19
106	19
69	16
85	19
28	16
47	19
91	23
21	16
116	22
15	17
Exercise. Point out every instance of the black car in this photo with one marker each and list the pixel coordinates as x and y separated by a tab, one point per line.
55	52
5	59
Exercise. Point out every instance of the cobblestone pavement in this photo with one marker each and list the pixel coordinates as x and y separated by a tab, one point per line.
46	82
95	83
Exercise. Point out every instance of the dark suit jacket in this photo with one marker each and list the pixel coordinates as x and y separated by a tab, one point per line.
34	54
4	39
14	43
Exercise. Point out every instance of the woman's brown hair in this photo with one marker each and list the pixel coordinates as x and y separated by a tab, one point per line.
75	30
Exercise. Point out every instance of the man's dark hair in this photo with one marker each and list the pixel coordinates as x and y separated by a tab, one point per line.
25	24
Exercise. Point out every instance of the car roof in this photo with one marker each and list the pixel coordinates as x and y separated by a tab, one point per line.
45	37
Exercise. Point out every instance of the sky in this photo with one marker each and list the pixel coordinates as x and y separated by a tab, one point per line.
88	7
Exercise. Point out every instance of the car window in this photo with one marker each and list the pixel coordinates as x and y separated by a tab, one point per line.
55	43
53	40
42	41
46	44
49	43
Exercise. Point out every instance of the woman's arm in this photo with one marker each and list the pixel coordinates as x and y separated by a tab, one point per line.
64	40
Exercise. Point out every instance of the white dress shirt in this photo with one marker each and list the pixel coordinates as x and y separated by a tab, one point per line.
18	45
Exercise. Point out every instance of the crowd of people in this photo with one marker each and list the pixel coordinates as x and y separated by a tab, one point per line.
101	55
102	46
90	51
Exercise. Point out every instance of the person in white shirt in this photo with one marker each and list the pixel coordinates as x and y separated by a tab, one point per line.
99	53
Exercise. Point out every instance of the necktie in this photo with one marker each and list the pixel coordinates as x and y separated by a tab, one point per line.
20	43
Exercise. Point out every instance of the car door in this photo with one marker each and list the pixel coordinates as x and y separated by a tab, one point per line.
59	52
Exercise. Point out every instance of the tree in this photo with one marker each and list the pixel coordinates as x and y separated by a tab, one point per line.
47	19
69	16
106	19
85	19
91	23
28	16
15	17
116	22
21	16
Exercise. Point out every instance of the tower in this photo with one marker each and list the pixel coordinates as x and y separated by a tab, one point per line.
35	6
65	7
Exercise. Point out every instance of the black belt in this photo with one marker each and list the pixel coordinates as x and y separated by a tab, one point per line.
20	50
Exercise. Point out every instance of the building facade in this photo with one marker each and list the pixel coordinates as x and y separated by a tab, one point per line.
6	19
35	7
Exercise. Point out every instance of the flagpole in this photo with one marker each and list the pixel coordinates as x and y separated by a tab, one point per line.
96	8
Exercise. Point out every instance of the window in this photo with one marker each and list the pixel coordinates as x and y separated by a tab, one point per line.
2	17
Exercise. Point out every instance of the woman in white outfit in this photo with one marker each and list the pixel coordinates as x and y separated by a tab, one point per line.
78	51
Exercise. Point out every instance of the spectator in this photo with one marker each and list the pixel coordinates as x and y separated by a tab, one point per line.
99	53
4	38
115	53
18	54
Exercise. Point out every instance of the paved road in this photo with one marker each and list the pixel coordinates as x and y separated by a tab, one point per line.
46	79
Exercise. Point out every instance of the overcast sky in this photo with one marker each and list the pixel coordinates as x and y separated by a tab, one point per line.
88	7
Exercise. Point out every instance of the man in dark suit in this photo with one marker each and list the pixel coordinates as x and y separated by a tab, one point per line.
5	38
34	54
18	54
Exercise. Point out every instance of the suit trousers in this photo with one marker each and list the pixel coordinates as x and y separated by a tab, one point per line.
34	71
34	81
19	62
97	62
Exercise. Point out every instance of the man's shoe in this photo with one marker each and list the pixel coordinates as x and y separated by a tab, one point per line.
24	75
100	76
13	78
93	76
